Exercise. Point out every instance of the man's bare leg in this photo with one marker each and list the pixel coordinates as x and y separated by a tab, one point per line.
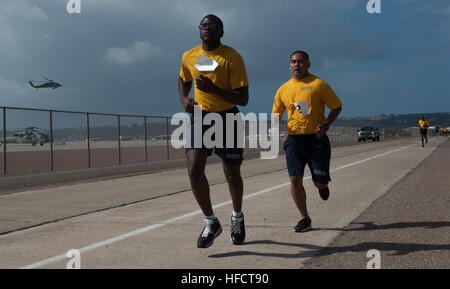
235	184
196	162
299	195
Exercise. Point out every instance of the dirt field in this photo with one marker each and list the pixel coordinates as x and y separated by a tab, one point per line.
25	159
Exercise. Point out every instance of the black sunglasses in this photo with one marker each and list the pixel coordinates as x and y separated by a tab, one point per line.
204	26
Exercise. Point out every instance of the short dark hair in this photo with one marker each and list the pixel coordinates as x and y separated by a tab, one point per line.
306	55
219	21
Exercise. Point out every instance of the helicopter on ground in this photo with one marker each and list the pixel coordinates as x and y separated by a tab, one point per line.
32	135
45	84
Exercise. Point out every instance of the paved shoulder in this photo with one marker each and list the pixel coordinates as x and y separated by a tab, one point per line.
409	225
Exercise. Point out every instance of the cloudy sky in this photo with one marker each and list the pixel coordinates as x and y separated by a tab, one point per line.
123	56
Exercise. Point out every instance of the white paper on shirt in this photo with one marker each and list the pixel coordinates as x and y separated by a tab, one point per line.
204	63
302	107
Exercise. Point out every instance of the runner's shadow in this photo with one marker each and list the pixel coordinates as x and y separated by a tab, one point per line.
399	249
367	226
312	249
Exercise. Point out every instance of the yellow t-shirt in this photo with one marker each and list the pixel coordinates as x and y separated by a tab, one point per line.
423	124
305	102
229	74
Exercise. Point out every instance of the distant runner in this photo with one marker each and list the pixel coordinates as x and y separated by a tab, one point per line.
220	84
423	126
304	97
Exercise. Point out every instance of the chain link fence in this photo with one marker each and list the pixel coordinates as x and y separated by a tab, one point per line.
39	140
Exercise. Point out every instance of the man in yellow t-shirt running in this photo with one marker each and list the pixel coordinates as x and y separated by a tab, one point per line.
304	97
220	84
423	126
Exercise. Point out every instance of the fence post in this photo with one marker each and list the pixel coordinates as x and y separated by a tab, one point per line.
145	138
51	141
118	130
4	141
167	137
88	139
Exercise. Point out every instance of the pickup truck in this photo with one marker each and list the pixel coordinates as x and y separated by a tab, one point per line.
368	132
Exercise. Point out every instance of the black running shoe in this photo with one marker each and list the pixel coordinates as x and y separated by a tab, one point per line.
304	225
211	229
324	193
237	230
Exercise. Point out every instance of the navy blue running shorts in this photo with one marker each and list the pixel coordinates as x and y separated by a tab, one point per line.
230	155
308	149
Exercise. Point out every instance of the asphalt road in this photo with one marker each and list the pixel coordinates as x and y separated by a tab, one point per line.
409	225
152	221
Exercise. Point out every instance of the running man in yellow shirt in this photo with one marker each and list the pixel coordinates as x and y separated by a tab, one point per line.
423	126
220	84
304	97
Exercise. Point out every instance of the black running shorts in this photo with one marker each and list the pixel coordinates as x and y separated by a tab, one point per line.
308	149
230	155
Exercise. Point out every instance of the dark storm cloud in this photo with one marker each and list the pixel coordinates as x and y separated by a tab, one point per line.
124	56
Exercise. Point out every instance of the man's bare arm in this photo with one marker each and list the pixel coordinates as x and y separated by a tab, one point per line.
332	116
184	88
238	96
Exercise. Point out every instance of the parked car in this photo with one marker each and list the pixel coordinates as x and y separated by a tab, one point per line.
368	132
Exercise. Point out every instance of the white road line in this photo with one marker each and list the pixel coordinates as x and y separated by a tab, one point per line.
156	226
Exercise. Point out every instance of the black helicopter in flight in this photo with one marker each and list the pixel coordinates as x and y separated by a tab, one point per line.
45	84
